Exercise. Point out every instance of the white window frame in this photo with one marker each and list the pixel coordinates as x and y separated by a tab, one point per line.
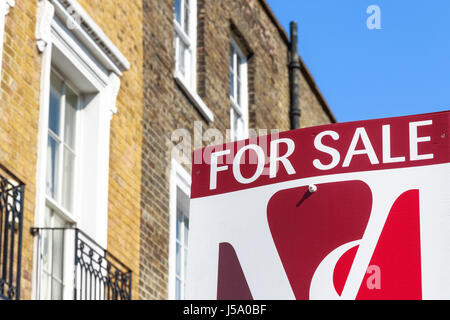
5	6
239	107
188	81
71	43
190	41
56	204
179	178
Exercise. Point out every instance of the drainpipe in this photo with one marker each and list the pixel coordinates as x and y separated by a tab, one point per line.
294	68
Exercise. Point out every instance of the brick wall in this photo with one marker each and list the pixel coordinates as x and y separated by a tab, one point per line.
151	105
167	108
121	21
19	108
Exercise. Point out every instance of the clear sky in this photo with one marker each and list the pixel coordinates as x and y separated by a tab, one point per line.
401	69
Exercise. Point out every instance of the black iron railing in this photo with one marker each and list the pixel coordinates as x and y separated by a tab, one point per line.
76	267
11	219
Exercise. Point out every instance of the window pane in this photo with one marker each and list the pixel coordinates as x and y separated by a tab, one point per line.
178	289
234	120
231	84
231	57
68	179
182	57
239	80
178	260
186	230
231	71
238	95
240	128
185	261
59	222
52	166
55	103
58	254
46	247
45	286
70	118
186	16
188	65
177	10
57	290
237	125
179	223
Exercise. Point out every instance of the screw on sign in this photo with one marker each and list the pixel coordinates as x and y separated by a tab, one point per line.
354	210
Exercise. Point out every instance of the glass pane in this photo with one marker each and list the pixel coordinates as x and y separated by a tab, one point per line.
59	222
238	96
186	16
177	10
45	286
231	57
188	65
185	261
57	290
52	166
56	88
48	217
186	230
232	84
58	254
240	128
179	223
178	289
182	57
46	241
68	179
234	123
231	71
178	260
46	245
70	118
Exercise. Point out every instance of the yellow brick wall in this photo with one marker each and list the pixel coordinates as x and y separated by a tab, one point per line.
19	108
121	21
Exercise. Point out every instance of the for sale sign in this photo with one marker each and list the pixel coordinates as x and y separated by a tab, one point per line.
357	210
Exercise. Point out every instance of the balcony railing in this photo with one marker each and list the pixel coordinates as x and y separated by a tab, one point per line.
72	266
11	219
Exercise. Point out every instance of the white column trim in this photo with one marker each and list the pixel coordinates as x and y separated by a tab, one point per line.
43	37
179	177
45	15
112	92
53	39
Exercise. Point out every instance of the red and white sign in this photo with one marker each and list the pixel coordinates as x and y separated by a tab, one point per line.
357	210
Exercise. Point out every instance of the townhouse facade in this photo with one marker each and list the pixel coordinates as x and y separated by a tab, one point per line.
214	71
98	101
71	89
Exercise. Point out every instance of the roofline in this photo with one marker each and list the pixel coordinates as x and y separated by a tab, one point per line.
305	71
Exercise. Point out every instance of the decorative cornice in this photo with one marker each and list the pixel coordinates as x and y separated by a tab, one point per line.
79	22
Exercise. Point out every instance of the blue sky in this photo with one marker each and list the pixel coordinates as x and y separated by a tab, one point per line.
402	69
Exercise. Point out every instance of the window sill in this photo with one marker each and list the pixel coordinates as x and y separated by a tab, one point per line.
195	98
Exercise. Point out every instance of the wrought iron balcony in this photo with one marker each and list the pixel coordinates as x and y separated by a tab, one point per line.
11	219
72	266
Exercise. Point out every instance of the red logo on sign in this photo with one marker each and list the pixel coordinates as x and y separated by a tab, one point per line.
307	227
